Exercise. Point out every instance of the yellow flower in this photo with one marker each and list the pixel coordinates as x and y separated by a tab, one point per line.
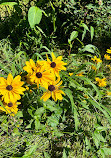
107	57
10	108
30	91
97	60
109	50
53	89
11	89
85	96
79	74
27	88
93	67
56	64
40	63
101	82
70	74
26	78
30	66
108	93
41	76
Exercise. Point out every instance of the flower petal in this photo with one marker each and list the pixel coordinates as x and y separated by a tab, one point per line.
53	57
46	95
9	79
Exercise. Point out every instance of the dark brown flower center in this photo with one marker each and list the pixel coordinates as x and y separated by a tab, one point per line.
10	104
32	69
51	88
53	64
39	74
9	87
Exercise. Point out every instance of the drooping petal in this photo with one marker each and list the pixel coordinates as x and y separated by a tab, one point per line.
46	96
54	95
58	96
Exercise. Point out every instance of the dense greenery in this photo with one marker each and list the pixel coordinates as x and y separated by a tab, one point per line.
79	126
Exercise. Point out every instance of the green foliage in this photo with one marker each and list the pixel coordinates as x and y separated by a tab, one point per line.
79	125
34	16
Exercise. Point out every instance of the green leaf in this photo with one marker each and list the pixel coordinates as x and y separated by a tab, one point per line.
29	125
73	35
46	155
98	106
19	54
64	154
85	26
96	140
107	151
31	151
74	108
53	121
84	33
9	3
89	48
19	114
93	85
88	145
41	31
92	32
37	124
39	112
34	16
2	67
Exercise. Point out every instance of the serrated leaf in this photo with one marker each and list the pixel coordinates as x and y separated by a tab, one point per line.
34	16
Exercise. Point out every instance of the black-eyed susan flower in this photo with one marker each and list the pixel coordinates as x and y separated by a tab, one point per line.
54	90
97	60
10	108
26	78
101	82
11	89
27	88
80	74
107	57
41	76
56	64
108	93
109	50
30	66
70	74
93	67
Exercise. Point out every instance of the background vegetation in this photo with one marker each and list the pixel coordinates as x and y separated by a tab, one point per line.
80	125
